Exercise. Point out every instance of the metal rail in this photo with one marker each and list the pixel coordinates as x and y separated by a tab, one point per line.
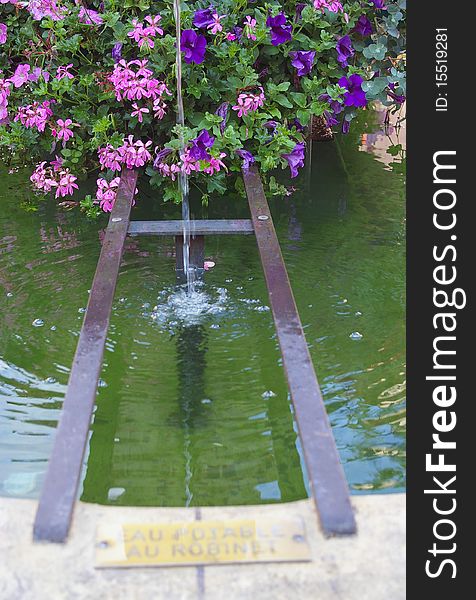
205	227
55	508
328	484
326	476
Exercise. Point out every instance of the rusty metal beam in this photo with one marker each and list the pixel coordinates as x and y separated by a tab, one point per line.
202	227
326	476
55	508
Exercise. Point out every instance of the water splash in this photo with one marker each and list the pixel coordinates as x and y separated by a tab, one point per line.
179	307
183	182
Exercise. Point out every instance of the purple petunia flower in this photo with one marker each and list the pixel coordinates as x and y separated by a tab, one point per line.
296	158
200	145
355	95
193	46
116	52
272	126
302	61
298	125
399	99
363	26
335	108
280	32
222	111
330	119
344	50
238	31
379	4
204	17
161	154
300	6
345	126
248	158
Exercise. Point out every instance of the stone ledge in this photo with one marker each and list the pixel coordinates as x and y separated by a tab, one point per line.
368	566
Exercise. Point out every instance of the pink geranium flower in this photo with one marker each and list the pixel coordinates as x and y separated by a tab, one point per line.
215	165
35	115
130	84
154	24
21	75
3	33
167	170
5	91
64	132
110	158
138	30
45	8
189	164
250	27
63	72
159	109
107	192
331	5
88	16
57	164
47	177
143	34
66	184
249	102
139	112
43	178
216	25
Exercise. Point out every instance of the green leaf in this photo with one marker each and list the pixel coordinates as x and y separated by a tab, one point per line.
304	117
376	51
299	99
283	101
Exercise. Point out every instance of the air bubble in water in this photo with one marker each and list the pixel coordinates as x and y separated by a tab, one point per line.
115	493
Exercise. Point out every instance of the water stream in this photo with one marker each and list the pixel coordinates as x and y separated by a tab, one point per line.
183	182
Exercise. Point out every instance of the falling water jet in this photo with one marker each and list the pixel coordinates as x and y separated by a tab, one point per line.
183	183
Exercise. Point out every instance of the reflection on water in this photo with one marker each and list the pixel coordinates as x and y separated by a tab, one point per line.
193	406
387	139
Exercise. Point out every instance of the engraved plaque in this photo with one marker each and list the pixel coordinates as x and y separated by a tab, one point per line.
201	543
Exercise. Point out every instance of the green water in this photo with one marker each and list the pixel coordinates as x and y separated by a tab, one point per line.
194	410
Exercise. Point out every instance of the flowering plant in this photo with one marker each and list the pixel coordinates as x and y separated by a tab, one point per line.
91	86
